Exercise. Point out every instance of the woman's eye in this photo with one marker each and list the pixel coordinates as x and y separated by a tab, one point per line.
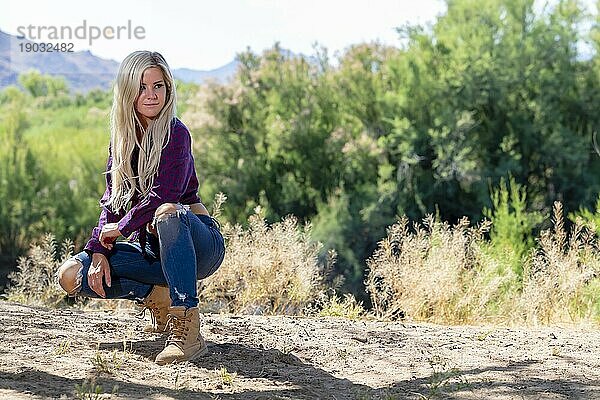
159	85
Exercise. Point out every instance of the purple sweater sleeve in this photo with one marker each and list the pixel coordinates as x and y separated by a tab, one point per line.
174	172
106	216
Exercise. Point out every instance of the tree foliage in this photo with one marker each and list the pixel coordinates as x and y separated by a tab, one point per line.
429	126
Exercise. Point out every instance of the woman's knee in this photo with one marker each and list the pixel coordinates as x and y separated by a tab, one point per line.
165	210
70	275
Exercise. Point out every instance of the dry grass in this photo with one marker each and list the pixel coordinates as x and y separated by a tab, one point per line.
35	282
440	273
561	278
346	307
267	269
429	271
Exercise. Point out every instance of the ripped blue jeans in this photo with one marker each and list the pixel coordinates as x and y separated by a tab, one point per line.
188	247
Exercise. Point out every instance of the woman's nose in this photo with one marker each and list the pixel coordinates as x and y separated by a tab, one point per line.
151	94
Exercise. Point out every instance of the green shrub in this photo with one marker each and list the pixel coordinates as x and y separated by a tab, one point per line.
589	218
511	235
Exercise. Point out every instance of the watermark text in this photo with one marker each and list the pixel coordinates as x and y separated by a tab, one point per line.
82	32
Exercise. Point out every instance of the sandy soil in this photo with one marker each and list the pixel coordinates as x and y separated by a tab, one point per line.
98	354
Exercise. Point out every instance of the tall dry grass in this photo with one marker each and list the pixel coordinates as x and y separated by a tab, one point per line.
428	271
34	281
268	269
561	280
445	274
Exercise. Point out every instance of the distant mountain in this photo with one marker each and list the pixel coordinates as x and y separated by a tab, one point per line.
220	74
82	70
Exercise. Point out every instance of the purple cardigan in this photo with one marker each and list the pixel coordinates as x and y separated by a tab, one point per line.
175	182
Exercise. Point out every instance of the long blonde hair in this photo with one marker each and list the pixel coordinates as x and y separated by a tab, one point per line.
123	122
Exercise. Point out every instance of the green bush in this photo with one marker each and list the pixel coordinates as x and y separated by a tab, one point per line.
589	218
511	235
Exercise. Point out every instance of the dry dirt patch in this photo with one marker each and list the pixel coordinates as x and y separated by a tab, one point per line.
66	353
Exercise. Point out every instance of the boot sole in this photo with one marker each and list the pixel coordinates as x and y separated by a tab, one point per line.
203	350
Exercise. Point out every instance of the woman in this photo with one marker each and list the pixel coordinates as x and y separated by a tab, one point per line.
151	197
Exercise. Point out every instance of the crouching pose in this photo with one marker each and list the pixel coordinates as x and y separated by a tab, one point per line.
151	198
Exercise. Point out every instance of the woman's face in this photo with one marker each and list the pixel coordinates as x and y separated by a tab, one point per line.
152	97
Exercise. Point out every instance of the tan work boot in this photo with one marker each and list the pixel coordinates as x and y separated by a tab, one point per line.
185	342
158	302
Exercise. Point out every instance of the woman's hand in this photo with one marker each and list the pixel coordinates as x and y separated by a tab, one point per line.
108	235
99	271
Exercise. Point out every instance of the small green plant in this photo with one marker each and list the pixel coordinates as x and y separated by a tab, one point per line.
287	348
63	348
109	364
90	390
444	376
481	336
342	353
177	384
512	225
226	377
100	363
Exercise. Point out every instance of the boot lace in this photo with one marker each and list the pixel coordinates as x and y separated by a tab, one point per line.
178	329
155	310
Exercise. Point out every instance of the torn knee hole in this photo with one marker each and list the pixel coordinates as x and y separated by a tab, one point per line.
167	211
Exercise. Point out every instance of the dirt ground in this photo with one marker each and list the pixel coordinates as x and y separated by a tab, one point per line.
66	353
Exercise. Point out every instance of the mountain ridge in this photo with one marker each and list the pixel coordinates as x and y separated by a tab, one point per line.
82	70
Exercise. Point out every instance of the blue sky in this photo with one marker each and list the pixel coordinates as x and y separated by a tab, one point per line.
207	34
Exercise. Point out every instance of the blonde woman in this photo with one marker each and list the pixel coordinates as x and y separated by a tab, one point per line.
151	198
